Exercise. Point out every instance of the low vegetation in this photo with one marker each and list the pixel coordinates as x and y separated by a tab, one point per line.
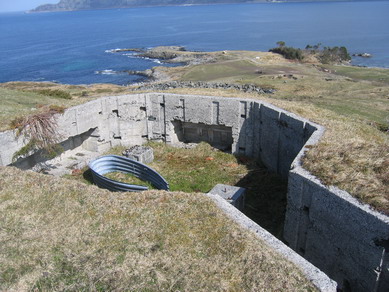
326	55
289	52
197	169
351	102
55	93
92	239
40	130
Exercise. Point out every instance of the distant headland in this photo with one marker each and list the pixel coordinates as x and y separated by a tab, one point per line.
73	5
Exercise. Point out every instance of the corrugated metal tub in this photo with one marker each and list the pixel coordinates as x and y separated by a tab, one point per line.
110	163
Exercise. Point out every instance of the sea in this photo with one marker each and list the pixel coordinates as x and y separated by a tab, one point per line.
78	47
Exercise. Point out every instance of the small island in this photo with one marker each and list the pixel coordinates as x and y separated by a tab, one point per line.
73	5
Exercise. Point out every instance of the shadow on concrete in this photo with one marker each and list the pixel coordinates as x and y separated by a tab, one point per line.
265	201
266	194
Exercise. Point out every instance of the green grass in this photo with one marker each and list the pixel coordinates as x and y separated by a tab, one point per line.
201	168
367	98
351	102
58	234
193	170
129	179
359	73
57	93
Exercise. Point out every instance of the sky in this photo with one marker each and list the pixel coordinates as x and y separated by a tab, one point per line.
22	5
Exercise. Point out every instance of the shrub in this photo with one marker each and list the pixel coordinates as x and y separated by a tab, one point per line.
326	55
40	130
334	55
288	52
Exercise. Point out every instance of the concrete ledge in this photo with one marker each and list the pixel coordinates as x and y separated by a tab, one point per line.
233	195
317	277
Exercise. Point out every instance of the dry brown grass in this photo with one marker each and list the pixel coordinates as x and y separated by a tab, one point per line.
351	155
57	234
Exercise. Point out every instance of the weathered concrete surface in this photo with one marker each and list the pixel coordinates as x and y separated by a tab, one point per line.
317	277
345	239
233	195
228	123
142	154
335	232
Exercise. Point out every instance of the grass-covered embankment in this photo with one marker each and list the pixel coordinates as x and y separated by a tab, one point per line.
57	234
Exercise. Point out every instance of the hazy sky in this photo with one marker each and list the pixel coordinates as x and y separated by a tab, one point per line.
22	5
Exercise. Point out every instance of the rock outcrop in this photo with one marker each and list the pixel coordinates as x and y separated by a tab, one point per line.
201	84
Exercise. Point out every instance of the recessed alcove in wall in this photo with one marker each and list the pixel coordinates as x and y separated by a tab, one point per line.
217	136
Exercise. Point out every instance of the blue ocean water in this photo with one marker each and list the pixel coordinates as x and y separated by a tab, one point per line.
70	47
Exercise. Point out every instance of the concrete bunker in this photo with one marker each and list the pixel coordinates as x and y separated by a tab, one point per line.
326	225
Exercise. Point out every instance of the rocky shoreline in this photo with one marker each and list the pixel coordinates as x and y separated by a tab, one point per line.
166	54
172	54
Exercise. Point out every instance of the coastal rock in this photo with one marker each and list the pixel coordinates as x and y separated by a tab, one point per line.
170	54
146	73
363	55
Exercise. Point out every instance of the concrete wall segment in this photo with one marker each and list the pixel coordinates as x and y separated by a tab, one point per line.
256	130
317	277
334	230
269	137
291	140
9	144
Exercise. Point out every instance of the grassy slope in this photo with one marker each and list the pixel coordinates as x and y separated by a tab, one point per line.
80	237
